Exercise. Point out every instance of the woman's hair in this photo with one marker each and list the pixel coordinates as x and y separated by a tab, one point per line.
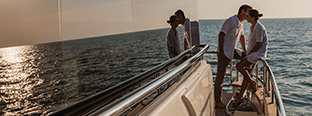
180	12
255	13
172	19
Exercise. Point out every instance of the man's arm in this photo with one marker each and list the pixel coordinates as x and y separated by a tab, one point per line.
259	36
243	43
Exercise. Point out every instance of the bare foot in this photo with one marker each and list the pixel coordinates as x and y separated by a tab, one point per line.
220	105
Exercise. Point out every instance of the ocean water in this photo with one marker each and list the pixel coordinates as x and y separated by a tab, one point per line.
289	55
40	79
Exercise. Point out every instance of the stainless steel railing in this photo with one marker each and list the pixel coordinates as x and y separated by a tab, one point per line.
270	83
124	103
105	97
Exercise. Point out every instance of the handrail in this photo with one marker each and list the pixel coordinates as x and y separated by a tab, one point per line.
104	97
118	106
277	96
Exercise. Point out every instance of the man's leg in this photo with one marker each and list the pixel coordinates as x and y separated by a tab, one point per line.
223	62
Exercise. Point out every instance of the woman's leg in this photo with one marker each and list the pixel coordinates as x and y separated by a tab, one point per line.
238	99
250	73
252	68
247	79
240	67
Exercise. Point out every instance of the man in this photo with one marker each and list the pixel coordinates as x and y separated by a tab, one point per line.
185	22
231	31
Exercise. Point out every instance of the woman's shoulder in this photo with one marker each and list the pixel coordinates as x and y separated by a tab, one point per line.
170	30
260	26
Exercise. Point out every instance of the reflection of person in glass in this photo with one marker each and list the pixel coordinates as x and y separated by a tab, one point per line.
185	22
257	49
173	44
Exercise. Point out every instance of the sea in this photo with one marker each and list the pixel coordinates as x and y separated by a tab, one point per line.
43	78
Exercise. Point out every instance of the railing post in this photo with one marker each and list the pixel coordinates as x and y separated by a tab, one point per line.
257	69
236	71
159	91
265	78
270	85
265	85
257	73
271	89
231	70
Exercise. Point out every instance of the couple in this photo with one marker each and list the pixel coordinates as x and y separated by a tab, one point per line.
173	44
232	32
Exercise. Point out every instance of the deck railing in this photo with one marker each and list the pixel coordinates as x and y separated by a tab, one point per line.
160	75
117	99
267	79
119	106
271	85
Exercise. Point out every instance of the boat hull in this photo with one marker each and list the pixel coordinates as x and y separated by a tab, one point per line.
193	95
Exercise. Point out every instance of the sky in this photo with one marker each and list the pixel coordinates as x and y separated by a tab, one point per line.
25	22
221	9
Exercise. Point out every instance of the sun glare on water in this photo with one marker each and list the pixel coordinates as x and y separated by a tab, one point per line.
18	77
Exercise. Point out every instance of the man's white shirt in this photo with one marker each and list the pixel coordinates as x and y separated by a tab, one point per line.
186	29
233	29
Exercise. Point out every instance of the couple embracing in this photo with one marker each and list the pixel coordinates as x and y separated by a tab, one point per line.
232	32
173	44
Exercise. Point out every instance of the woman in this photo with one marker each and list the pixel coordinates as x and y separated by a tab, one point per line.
257	49
173	44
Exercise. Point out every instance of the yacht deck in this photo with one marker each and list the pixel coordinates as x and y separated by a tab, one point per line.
225	97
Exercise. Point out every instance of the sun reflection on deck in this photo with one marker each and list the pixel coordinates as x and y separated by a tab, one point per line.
18	76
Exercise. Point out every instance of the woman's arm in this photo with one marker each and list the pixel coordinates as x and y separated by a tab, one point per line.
256	48
259	38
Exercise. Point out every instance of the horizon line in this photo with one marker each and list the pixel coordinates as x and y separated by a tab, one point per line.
261	18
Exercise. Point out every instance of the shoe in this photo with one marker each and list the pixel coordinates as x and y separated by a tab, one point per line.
220	105
237	102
